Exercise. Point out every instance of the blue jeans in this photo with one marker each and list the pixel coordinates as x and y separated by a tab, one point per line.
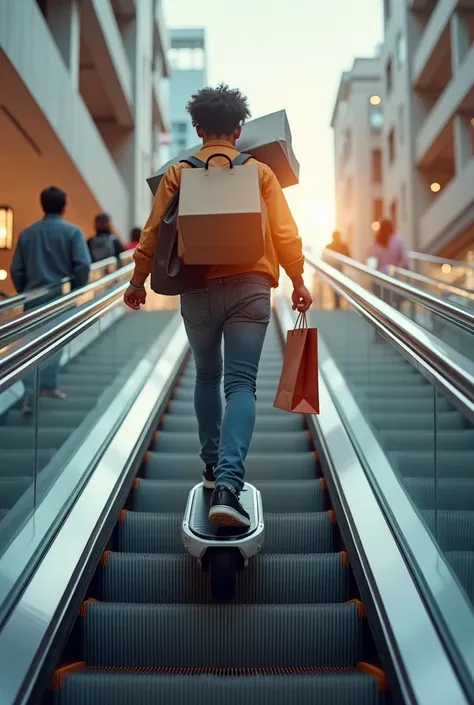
238	309
48	375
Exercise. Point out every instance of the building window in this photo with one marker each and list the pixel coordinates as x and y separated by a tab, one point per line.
180	128
403	201
389	76
187	59
391	146
376	117
401	123
393	214
401	50
386	10
377	210
376	167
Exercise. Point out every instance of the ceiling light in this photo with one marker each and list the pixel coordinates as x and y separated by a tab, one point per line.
376	226
6	228
376	100
3	274
435	187
446	268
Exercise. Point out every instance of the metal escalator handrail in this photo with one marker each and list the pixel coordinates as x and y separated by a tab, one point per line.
443	366
368	533
422	257
27	355
424	279
447	309
26	321
49	602
20	299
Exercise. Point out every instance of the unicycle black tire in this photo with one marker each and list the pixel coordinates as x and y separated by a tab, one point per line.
223	568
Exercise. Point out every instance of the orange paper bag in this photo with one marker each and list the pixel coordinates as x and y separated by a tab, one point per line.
298	390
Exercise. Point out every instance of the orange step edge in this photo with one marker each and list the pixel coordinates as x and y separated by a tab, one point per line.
85	605
359	605
59	674
377	673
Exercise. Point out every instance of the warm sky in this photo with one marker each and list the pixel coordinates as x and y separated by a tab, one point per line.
289	55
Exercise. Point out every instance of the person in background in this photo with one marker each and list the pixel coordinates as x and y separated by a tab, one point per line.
134	239
338	245
234	307
388	250
47	252
104	243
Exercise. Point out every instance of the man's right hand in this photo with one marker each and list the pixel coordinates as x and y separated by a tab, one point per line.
301	297
134	297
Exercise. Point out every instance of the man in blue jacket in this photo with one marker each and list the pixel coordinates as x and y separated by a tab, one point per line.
47	252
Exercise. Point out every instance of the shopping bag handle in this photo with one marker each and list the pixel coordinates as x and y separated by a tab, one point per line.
301	321
218	154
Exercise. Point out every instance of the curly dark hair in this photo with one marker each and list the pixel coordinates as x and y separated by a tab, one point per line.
218	111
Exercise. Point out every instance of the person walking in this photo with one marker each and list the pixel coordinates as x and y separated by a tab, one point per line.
47	252
338	245
388	250
235	306
134	239
104	244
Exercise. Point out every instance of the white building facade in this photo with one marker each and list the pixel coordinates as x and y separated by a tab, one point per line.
357	122
188	75
83	99
427	91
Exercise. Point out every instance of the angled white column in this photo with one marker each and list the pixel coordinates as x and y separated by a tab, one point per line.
63	18
460	40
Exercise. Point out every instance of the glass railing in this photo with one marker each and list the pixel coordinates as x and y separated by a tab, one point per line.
451	322
447	271
56	387
408	401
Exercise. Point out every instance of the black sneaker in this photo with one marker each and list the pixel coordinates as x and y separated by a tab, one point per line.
208	478
226	509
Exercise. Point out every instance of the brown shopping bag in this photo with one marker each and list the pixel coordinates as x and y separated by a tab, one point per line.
298	390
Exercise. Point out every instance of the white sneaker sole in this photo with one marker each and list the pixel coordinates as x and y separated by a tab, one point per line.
208	484
226	516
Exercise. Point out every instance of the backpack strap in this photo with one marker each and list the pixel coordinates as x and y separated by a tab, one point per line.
241	159
193	162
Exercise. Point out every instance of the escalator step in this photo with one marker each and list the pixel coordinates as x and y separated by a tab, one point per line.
169	466
277	495
416	406
140	532
419	463
462	563
46	438
186	408
265	636
332	687
441	493
451	420
23	461
188	382
264	395
389	392
292	442
453	529
11	489
285	579
53	419
426	440
268	423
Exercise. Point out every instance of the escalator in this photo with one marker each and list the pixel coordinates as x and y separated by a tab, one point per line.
148	630
35	448
428	441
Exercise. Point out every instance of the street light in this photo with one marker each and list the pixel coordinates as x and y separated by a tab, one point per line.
6	228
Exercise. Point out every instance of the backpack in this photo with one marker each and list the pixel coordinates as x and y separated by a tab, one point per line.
169	275
102	247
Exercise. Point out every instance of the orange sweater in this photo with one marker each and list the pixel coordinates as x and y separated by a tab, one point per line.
283	245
